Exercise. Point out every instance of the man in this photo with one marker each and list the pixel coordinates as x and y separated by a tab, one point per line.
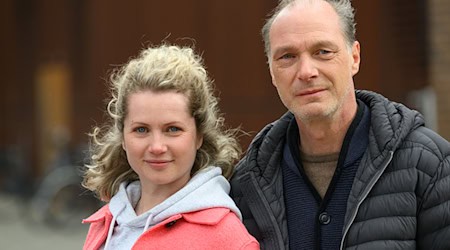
343	169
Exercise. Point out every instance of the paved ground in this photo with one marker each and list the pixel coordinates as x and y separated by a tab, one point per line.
18	231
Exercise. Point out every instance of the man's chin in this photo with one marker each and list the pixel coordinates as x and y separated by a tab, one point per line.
313	111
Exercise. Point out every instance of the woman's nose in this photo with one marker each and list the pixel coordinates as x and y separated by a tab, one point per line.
157	145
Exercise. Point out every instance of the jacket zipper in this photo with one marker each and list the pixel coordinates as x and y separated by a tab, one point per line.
276	241
364	196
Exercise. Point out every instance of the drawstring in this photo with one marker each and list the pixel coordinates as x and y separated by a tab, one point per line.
113	223
111	229
147	223
110	232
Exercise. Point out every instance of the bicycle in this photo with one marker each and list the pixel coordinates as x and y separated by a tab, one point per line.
60	200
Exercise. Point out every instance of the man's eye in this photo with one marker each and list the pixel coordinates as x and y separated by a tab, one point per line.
287	56
323	52
141	130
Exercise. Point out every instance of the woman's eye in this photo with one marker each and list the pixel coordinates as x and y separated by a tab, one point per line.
141	130
173	129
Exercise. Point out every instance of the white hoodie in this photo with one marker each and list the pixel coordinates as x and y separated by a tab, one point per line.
207	189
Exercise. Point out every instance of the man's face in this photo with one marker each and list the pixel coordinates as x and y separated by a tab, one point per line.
311	64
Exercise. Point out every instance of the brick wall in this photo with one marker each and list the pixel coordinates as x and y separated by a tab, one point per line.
439	61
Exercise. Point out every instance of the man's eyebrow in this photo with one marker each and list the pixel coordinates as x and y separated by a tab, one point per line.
283	49
324	43
315	45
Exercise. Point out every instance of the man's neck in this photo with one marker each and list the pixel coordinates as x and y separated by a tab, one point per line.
324	136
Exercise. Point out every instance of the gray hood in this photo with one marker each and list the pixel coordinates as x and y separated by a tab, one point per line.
207	189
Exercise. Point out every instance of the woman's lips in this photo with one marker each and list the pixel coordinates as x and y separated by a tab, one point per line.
158	163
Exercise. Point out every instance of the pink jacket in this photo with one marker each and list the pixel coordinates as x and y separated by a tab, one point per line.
214	228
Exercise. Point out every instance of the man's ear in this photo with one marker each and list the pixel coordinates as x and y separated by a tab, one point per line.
356	50
271	76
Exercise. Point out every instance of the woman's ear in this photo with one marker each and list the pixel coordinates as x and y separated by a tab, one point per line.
199	141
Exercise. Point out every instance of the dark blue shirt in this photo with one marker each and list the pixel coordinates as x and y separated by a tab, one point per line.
313	222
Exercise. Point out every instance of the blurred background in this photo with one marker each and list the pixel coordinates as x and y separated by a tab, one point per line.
56	56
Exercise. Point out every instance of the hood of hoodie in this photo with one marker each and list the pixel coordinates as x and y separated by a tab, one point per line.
206	189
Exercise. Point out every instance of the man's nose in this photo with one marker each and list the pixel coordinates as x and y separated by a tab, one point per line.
306	70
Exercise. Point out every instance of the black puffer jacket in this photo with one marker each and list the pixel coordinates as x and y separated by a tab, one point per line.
400	198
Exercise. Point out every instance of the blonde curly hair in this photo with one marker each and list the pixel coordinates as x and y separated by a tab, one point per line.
159	68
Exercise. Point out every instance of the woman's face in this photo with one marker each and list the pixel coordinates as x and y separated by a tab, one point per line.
160	139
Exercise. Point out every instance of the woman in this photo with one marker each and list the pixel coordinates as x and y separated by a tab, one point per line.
162	163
